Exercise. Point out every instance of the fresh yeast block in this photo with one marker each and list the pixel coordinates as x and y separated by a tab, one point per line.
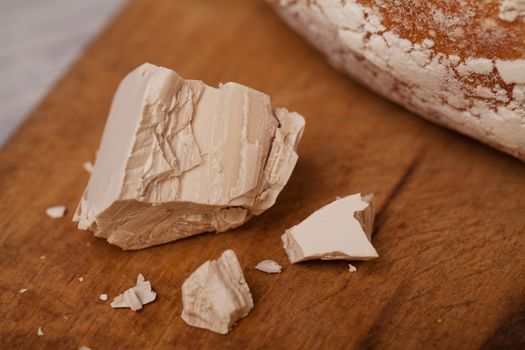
178	158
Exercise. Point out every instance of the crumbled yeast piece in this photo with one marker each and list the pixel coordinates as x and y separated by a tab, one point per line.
103	297
88	166
269	266
178	158
56	212
39	332
339	230
216	295
352	268
135	297
83	347
23	290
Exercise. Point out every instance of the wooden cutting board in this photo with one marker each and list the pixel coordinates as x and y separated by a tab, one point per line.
450	225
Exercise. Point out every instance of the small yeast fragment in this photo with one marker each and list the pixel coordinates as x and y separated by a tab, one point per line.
341	230
56	211
269	266
88	166
216	295
135	297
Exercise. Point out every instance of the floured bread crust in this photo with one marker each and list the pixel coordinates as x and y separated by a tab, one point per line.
512	10
460	64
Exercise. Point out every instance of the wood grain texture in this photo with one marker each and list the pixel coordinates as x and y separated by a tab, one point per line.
450	229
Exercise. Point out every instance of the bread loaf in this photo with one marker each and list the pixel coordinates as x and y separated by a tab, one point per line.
459	63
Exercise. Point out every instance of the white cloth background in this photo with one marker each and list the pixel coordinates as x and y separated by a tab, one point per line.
39	39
